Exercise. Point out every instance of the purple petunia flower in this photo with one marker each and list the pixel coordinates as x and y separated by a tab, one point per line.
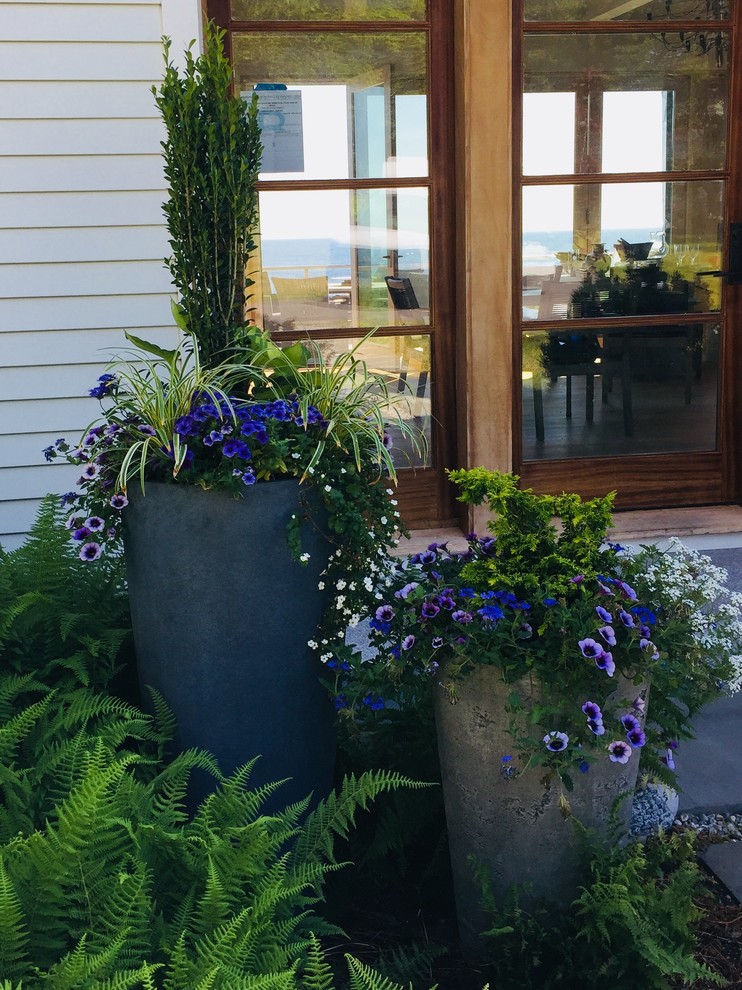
406	591
592	710
609	634
648	645
626	590
447	602
437	642
619	751
408	642
462	616
429	610
590	648
81	534
90	551
577	579
668	760
603	614
605	662
385	613
596	726
89	473
627	619
630	723
73	521
95	524
183	425
639	704
556	742
637	738
119	501
147	430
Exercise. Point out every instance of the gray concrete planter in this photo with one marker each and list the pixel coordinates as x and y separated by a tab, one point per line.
221	616
513	826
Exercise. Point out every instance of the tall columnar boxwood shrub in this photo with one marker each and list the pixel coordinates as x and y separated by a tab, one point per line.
212	158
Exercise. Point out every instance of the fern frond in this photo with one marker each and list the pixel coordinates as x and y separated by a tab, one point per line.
317	974
336	814
13	931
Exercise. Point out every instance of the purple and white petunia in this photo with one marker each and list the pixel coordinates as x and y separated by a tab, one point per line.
90	551
604	614
592	710
95	524
590	648
619	751
556	742
119	501
408	642
385	613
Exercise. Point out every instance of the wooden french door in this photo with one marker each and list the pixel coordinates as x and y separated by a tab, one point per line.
627	346
356	190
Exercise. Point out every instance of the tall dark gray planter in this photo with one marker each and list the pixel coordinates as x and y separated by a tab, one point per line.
222	614
514	827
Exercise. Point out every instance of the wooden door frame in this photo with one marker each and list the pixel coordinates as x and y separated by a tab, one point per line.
699	478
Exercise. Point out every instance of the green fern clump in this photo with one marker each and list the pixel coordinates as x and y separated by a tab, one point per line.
113	885
633	925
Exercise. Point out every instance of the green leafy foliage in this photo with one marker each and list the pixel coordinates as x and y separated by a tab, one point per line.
106	880
535	556
631	926
212	159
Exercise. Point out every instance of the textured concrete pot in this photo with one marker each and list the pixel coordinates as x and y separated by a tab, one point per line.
513	826
221	615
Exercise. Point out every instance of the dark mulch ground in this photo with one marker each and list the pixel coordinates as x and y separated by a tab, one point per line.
720	935
374	931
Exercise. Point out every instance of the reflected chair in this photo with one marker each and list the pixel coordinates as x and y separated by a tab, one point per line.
401	292
303	300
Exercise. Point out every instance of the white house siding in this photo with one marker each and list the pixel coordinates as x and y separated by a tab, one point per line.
82	240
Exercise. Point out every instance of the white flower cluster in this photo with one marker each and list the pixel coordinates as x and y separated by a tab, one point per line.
699	591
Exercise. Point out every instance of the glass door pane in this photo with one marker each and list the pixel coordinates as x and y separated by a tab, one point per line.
626	258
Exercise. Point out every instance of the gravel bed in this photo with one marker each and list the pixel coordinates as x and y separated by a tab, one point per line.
656	807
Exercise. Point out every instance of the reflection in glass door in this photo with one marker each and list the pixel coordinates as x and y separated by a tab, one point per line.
625	177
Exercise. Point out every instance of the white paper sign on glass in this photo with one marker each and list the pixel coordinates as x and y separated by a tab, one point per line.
281	129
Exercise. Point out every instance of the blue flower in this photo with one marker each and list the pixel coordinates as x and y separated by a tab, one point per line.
646	615
467	593
550	601
374	702
491	613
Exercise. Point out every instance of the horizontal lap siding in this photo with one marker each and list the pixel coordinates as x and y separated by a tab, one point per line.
82	239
